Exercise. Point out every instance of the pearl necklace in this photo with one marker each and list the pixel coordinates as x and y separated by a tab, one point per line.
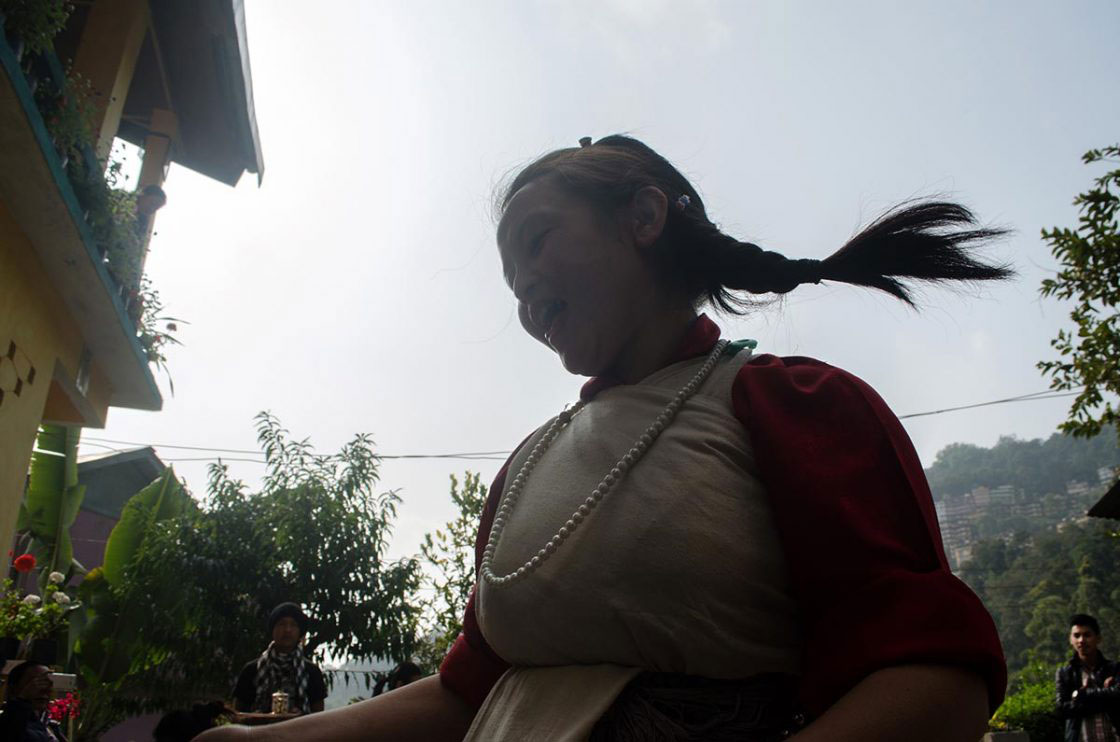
513	492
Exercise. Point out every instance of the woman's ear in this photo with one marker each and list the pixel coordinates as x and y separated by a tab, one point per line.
649	209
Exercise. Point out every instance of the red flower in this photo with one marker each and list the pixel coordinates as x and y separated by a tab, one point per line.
61	709
24	563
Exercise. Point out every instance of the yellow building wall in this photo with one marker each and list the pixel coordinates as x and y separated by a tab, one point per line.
40	349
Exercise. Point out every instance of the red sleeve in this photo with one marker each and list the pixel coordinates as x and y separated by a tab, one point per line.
471	668
860	535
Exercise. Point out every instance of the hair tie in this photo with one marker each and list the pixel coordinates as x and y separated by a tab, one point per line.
683	202
809	270
585	141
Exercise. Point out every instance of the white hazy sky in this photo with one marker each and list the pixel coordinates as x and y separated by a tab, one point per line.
358	289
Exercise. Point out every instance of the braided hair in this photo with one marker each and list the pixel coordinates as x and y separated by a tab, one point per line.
928	241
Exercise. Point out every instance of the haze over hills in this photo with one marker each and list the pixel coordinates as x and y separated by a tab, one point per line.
1032	466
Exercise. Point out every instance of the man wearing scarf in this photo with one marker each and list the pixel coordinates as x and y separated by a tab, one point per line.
282	667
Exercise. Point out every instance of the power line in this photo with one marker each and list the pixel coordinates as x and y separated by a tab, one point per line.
1021	398
502	455
469	455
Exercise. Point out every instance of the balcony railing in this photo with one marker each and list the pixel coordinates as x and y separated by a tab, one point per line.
85	174
33	80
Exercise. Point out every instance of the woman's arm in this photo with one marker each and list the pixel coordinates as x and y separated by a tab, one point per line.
859	531
917	703
419	711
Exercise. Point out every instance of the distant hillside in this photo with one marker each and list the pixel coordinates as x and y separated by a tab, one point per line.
1034	466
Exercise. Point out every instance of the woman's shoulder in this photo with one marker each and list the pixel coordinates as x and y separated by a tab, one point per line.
807	396
802	377
792	366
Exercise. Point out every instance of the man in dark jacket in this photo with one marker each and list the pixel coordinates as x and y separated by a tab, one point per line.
23	717
282	667
1088	686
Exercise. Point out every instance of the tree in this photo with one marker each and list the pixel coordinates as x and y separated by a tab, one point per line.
1033	584
448	555
204	580
1034	466
1090	275
111	651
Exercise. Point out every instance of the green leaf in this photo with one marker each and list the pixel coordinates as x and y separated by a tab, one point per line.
71	504
162	499
47	481
105	659
23	521
53	498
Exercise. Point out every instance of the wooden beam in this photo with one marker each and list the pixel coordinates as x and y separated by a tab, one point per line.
107	54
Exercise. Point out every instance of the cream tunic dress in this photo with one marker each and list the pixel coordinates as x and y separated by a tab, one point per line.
679	569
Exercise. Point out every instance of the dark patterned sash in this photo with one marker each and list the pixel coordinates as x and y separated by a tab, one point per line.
671	707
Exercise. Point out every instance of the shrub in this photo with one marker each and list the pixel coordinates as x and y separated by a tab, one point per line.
1030	706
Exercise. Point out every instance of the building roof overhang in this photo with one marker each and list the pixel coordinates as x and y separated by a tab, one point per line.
195	63
1109	505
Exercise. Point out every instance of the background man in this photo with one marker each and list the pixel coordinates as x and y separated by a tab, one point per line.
282	667
24	715
1088	686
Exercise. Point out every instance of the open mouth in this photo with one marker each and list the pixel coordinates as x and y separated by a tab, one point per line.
544	314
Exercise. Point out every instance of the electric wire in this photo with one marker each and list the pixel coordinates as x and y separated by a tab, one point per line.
1021	398
497	455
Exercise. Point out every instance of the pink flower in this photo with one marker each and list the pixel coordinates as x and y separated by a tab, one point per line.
62	708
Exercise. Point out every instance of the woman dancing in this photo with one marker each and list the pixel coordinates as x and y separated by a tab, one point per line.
710	544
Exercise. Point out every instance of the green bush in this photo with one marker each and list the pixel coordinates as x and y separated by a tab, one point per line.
1030	706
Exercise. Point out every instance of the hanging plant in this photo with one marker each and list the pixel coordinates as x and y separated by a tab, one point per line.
35	22
69	110
156	329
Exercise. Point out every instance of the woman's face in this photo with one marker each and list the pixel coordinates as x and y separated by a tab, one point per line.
582	285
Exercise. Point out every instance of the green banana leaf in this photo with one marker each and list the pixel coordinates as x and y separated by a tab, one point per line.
103	647
23	521
53	499
107	644
162	499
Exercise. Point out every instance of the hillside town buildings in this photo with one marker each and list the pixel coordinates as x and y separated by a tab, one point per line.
1000	512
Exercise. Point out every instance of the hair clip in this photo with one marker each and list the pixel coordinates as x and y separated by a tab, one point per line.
683	202
585	141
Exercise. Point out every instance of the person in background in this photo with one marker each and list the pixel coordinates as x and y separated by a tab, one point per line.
401	675
1087	685
282	667
149	200
23	717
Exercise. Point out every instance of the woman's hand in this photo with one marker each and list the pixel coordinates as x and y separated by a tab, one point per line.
423	711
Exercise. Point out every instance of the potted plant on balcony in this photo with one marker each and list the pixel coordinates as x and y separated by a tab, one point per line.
51	612
18	612
31	25
69	111
15	617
